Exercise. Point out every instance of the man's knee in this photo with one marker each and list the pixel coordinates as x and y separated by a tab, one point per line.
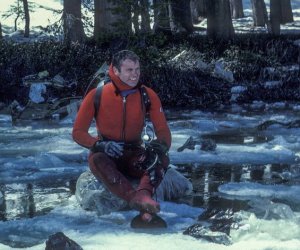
103	168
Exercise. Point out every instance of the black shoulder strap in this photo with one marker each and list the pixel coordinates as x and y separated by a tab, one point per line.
145	98
97	98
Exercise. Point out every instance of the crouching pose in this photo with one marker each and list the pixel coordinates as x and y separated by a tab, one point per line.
116	154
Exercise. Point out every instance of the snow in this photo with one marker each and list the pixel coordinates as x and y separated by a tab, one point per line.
47	154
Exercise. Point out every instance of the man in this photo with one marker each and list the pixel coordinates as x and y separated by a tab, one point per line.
116	154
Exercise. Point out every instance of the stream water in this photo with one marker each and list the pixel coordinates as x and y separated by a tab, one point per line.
254	160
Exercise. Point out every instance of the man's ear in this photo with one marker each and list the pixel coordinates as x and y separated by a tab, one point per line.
116	71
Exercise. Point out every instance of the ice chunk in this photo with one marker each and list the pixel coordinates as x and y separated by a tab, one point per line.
93	195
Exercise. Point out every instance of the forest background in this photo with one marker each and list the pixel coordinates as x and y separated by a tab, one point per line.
191	52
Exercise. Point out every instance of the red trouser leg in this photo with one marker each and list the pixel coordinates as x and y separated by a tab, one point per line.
105	170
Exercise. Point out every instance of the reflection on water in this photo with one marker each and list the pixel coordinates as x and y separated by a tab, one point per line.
207	179
26	200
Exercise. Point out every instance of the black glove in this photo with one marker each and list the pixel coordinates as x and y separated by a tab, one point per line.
159	147
111	148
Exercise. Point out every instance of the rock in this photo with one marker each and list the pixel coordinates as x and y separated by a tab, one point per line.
200	231
189	144
59	241
206	144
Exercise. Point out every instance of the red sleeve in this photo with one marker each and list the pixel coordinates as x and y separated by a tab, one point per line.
83	122
158	118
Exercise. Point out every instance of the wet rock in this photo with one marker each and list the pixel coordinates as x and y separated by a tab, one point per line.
200	231
208	145
189	144
205	144
59	241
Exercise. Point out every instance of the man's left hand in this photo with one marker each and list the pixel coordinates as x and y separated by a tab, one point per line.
159	146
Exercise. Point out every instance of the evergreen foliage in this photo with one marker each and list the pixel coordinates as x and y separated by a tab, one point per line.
178	82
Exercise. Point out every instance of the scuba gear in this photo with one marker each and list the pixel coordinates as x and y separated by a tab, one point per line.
155	161
147	134
111	148
159	147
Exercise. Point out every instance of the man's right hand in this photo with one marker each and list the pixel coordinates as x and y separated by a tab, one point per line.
111	148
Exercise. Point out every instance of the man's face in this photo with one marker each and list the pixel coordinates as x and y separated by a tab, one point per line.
129	73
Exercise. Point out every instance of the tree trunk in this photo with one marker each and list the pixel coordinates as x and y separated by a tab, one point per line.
286	12
73	27
219	23
141	12
259	11
27	18
135	17
1	36
275	16
199	10
180	16
18	15
236	7
145	16
112	17
161	17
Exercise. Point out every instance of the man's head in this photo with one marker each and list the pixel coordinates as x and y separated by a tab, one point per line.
126	65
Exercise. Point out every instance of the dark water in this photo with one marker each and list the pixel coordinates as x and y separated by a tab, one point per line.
26	200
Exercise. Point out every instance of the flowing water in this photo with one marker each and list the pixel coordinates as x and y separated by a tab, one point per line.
254	169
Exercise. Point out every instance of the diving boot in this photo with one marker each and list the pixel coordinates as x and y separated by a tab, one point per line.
147	221
147	217
142	201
